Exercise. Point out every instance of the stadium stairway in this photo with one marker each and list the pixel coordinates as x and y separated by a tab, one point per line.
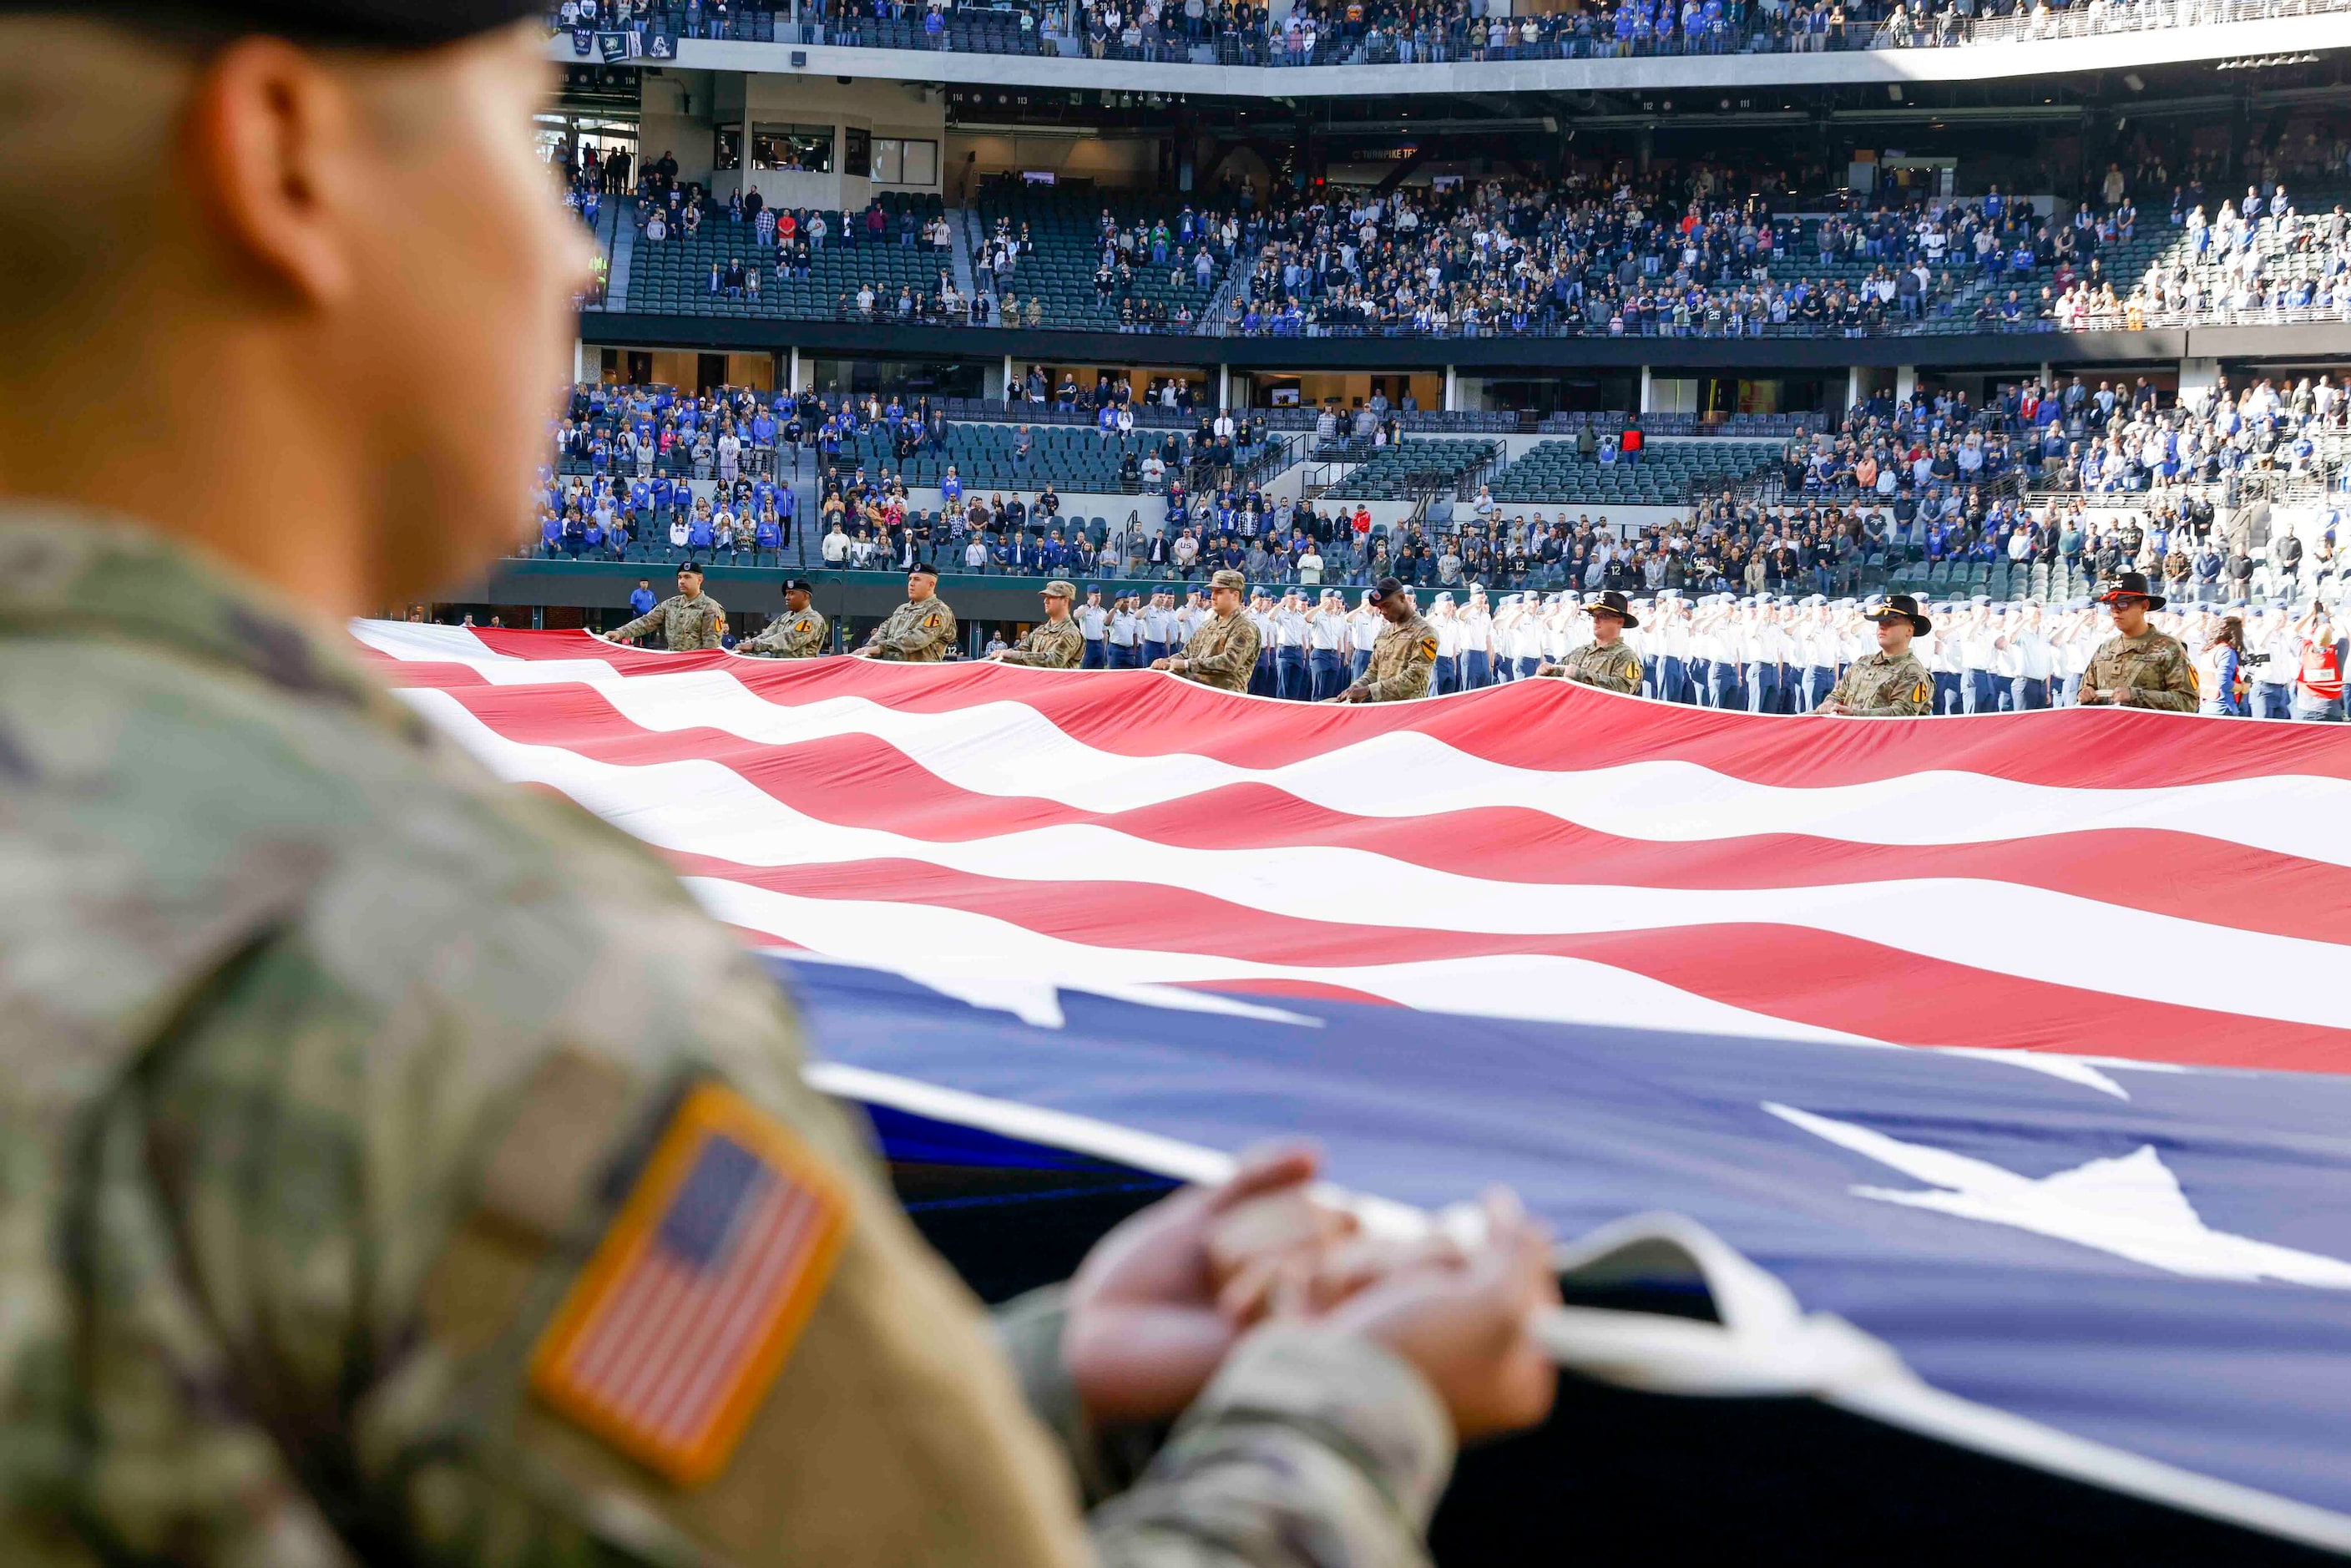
961	252
621	242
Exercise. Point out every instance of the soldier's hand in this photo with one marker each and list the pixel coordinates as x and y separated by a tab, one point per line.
1162	663
1838	710
1465	1323
1144	1335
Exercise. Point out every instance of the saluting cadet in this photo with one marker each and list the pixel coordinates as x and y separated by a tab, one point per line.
1290	646
1054	643
687	620
919	632
2138	666
1364	623
1404	655
2034	659
1892	682
800	633
1976	643
1326	635
1445	677
1093	623
1224	651
1158	626
1126	634
1476	629
1606	662
1265	681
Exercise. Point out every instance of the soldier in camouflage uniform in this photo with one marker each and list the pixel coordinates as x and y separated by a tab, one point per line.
1604	661
919	632
2139	666
800	633
1891	683
329	1062
687	620
1404	655
1055	643
1223	651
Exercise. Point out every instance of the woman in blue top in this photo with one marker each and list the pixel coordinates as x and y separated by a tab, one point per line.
2216	670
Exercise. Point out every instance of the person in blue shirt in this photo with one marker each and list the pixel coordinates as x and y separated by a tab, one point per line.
550	535
642	601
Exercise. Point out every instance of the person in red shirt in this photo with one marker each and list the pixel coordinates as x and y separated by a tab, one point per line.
1629	445
2318	685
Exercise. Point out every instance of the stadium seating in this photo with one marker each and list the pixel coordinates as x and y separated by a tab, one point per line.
1414	467
672	276
1669	473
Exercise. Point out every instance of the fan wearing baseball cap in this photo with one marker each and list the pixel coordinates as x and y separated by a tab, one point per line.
2138	666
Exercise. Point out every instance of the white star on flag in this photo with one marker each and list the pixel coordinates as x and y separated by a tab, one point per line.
2131	1206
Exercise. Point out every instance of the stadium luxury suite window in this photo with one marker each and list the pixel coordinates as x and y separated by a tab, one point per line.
806	148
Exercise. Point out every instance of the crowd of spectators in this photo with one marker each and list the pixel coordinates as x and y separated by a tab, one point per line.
1379	32
1613	257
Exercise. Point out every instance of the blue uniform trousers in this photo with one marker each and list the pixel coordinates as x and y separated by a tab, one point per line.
1358	663
1722	684
1290	670
1152	653
1480	672
1441	679
1982	694
2027	694
1329	678
1263	680
1095	658
2272	700
1947	691
1762	688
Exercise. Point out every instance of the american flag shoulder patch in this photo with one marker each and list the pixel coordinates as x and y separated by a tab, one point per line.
690	1306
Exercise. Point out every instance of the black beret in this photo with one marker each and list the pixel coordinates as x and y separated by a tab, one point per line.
799	582
383	24
919	570
693	566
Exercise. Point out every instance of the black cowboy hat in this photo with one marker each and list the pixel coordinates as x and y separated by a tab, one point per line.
2132	585
1901	607
1612	602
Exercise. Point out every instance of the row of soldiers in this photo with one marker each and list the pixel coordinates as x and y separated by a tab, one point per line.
1242	647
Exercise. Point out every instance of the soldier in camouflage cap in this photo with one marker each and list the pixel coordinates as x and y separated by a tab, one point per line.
2138	666
800	633
1604	661
1892	682
341	1083
1055	643
687	621
919	632
1223	651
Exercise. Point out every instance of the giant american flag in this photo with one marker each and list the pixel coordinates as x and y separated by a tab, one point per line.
2089	883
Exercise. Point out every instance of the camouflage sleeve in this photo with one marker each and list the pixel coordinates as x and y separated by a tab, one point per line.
635	629
1410	682
1234	661
815	636
774	641
1308	1449
2177	693
380	1179
713	630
